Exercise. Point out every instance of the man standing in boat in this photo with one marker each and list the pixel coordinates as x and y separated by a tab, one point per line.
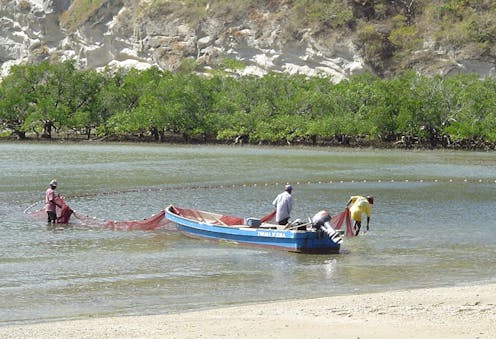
283	204
360	205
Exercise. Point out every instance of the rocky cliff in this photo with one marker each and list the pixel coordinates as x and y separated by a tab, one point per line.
252	39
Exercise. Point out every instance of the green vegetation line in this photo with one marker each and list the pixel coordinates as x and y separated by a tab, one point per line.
44	100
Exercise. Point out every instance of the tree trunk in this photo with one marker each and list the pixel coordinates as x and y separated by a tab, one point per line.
47	130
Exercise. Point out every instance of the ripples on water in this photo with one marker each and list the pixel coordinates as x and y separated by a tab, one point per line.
423	233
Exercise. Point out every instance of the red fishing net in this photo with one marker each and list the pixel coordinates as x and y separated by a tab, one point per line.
229	220
270	218
151	223
220	219
341	219
64	213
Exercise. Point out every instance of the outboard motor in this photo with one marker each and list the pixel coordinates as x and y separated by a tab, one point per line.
322	222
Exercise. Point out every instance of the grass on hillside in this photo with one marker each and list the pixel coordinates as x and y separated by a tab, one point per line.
79	12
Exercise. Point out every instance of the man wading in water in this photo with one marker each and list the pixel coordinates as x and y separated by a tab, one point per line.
50	204
360	205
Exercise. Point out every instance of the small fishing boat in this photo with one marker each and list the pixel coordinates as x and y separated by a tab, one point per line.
316	236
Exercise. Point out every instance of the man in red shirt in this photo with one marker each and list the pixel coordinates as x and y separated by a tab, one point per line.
50	204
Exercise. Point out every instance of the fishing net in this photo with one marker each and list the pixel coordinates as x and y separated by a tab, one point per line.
269	218
151	223
229	220
220	219
341	219
158	220
64	213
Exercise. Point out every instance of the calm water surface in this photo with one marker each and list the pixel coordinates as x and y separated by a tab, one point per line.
433	224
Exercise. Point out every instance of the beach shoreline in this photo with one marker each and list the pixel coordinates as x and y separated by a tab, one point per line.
444	312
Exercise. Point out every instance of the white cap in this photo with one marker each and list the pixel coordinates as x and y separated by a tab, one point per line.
53	183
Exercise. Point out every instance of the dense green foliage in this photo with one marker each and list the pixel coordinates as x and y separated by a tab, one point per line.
39	99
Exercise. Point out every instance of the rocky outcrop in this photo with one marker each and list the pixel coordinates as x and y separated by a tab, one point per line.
118	34
125	33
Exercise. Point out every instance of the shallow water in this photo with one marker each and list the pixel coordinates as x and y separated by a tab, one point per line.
432	225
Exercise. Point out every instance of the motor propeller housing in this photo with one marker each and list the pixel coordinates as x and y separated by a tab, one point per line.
322	221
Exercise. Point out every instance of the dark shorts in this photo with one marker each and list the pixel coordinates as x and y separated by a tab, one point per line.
52	216
283	221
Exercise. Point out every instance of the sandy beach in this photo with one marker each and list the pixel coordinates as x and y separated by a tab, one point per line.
451	312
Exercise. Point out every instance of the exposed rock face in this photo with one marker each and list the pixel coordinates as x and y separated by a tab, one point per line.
126	33
116	35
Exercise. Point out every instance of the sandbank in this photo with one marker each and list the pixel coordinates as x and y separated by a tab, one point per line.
445	312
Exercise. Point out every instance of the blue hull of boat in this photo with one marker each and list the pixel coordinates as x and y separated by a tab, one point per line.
288	240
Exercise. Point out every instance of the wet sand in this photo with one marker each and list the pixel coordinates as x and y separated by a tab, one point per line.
451	312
